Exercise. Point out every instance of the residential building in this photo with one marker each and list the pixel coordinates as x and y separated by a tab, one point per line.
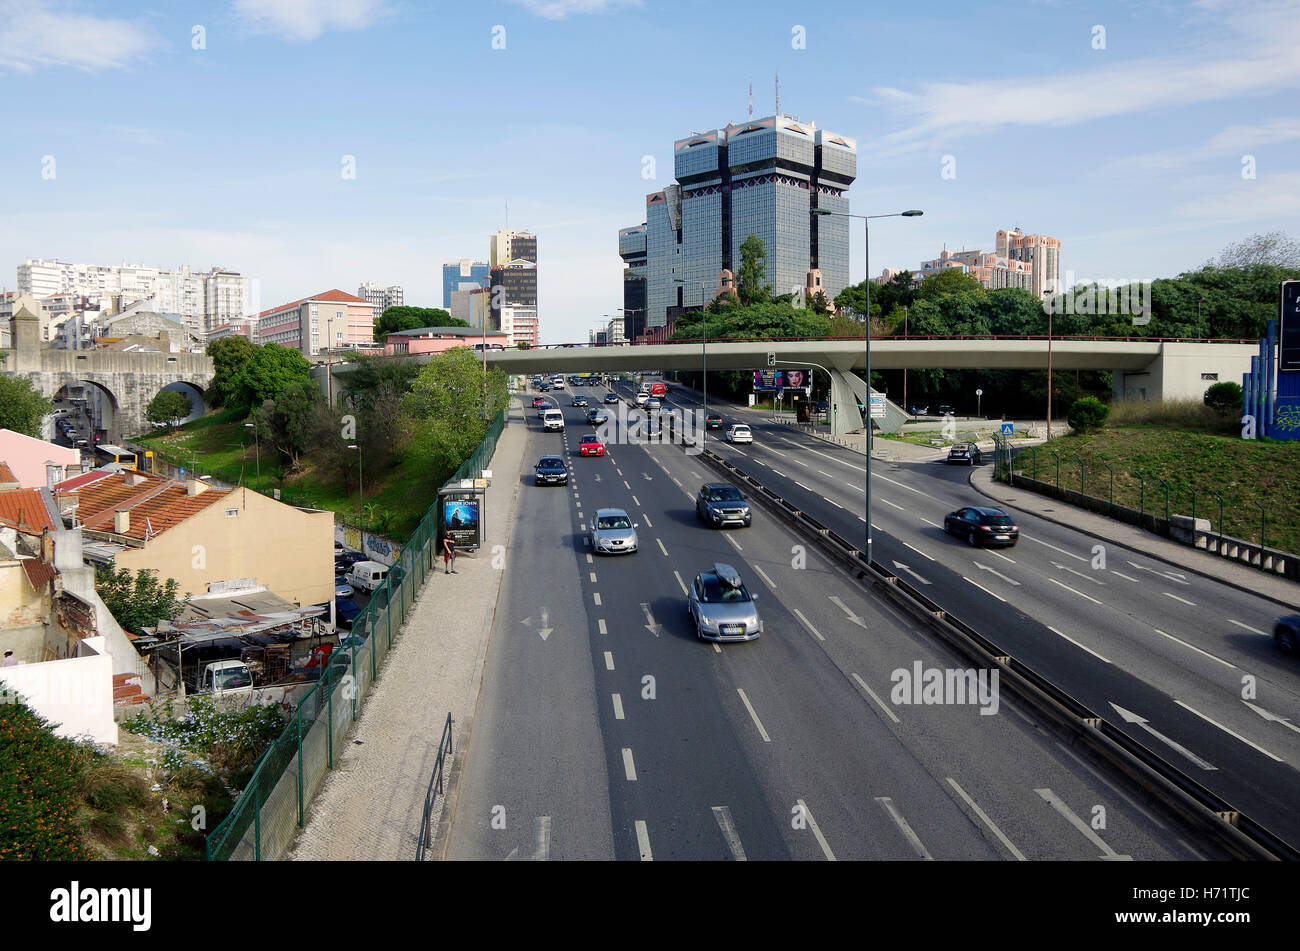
767	177
1040	251
382	297
438	339
208	539
1031	262
332	320
462	275
236	327
632	249
33	463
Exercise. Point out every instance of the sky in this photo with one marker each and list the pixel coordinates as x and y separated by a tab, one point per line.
1147	135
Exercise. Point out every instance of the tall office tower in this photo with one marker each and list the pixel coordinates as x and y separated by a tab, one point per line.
462	275
632	249
1042	252
766	177
513	276
382	296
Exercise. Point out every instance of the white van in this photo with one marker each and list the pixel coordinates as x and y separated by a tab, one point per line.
553	421
367	575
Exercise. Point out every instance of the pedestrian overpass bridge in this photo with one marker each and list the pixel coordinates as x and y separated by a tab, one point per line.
1143	367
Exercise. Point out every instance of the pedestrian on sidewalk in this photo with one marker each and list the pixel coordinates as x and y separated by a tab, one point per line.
448	556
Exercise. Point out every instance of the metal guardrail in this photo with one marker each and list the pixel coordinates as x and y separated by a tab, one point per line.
435	790
1196	805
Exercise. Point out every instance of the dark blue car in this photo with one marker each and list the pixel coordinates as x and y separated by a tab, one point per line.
345	611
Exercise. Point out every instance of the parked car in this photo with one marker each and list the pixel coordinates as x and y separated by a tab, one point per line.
919	409
342	589
613	532
739	433
1286	634
367	575
345	611
550	470
965	452
719	503
721	608
982	526
591	446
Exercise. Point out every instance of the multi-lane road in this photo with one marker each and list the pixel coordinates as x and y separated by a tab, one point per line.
605	729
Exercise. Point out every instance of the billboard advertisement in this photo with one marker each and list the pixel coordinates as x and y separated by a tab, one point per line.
460	522
1288	356
766	381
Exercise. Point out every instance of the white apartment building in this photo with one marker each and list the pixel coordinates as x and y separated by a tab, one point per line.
203	299
381	296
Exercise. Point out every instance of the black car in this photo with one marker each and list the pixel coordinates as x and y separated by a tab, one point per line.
551	471
982	526
611	397
596	416
579	401
347	558
721	504
966	453
1286	634
946	410
713	421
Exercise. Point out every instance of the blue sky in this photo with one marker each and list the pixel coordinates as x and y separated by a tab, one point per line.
231	154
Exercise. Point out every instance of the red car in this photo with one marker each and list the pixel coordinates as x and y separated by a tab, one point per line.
591	446
538	402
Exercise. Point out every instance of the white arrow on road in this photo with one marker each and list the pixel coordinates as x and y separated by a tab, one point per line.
899	564
545	632
845	608
647	477
650	624
998	573
1131	717
1057	564
1176	576
597	476
1272	717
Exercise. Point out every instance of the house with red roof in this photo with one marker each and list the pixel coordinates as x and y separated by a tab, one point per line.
329	321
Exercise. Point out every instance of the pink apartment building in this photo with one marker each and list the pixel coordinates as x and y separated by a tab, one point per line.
334	320
28	458
438	339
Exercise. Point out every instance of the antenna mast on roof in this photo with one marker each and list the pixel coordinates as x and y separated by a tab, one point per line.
751	102
778	93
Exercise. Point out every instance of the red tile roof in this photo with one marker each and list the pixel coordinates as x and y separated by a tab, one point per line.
24	508
156	504
333	296
38	573
7	476
77	481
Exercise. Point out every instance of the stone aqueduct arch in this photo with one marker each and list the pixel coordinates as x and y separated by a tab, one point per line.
131	379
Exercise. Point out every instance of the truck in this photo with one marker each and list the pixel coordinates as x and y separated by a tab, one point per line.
659	390
238	680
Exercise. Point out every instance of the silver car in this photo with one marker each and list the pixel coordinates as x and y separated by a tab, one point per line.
721	607
612	532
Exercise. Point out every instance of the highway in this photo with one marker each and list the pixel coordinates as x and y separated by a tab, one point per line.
1126	634
605	730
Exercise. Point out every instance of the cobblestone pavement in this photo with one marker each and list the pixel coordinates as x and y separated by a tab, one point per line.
371	805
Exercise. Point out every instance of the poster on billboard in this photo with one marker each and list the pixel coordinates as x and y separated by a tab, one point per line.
460	522
1289	331
769	381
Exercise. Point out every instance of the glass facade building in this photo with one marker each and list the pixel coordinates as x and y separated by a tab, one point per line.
766	177
632	249
462	275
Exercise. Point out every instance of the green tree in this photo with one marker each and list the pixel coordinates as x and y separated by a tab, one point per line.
1270	248
22	408
753	266
228	355
1087	413
370	373
1224	397
897	292
139	602
268	371
447	409
287	422
168	408
38	788
949	281
403	317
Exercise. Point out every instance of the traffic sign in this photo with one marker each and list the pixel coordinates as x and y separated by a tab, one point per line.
1008	429
771	358
877	406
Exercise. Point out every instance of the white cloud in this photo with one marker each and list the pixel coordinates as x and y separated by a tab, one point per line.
32	36
1260	59
1237	140
305	20
1261	201
559	9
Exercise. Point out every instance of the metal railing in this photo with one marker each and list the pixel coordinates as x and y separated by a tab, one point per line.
272	808
434	791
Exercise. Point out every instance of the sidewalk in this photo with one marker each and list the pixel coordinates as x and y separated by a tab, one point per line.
1105	529
371	805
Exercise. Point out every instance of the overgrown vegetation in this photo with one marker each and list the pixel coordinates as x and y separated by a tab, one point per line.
22	408
139	602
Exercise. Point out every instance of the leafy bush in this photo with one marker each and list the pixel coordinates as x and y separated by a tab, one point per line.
39	773
1087	413
1224	397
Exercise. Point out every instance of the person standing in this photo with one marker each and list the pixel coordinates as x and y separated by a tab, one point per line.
448	555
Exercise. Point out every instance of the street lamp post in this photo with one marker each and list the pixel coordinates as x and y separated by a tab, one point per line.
704	359
257	444
361	498
866	334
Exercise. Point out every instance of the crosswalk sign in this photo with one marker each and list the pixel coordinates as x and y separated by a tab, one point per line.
1008	429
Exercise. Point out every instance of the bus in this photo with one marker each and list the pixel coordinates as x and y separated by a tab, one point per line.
124	457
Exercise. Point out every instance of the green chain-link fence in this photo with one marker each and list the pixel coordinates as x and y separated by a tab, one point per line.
271	810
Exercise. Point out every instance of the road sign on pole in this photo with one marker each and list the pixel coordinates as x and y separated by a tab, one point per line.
1008	429
771	358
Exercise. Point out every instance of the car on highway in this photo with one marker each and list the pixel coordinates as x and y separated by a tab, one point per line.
550	470
653	404
553	421
719	504
611	397
1286	634
591	446
597	416
946	410
721	607
919	409
713	421
613	532
982	526
967	453
642	398
545	386
579	401
739	433
539	401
